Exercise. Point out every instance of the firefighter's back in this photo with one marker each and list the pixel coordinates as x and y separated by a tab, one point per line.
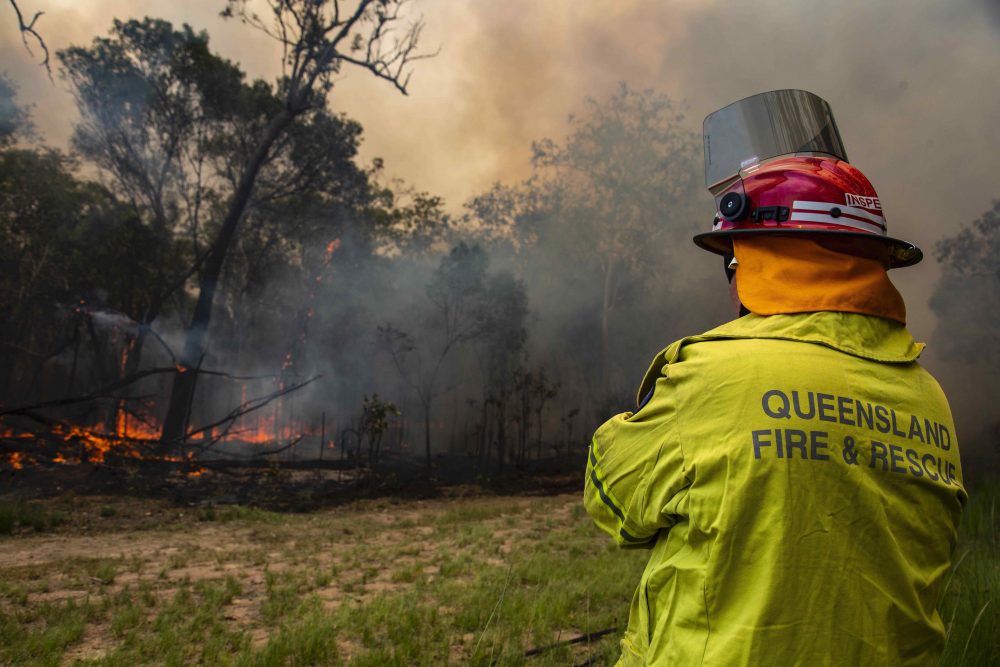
825	490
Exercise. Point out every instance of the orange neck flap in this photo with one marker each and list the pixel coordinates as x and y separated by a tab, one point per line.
783	274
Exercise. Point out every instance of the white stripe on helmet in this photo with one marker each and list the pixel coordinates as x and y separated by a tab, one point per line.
842	221
850	210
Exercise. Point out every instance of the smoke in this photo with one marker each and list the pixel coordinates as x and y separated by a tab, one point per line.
910	84
109	320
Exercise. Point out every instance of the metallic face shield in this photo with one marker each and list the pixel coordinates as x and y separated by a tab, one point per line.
757	128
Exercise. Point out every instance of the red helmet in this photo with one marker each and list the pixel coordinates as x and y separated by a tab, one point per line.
803	195
776	165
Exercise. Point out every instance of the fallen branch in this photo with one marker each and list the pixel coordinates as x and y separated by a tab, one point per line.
243	409
256	455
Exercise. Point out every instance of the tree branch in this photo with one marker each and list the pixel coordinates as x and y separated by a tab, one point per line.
29	29
106	391
247	407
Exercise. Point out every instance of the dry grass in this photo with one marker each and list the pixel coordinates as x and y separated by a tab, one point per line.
465	581
476	581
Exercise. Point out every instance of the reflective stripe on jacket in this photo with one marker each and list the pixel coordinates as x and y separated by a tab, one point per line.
797	480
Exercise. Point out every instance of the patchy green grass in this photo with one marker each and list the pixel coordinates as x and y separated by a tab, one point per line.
476	581
17	513
463	582
971	604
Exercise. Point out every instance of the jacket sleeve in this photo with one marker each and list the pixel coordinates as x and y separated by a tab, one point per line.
636	471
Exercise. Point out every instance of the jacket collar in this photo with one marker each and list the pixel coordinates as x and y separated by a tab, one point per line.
864	336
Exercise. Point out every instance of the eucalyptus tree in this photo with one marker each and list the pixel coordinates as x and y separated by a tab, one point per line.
458	313
967	295
318	40
204	154
618	191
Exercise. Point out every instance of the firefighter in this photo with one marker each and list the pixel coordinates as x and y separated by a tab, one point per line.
794	473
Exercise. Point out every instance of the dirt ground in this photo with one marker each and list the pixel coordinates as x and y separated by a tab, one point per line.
116	550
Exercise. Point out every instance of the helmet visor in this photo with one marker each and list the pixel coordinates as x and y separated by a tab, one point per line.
763	126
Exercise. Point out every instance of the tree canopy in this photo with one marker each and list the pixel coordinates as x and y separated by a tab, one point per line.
967	296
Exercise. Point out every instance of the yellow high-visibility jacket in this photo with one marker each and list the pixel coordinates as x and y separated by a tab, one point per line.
798	482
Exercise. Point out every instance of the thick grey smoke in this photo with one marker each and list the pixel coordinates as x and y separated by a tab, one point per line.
911	85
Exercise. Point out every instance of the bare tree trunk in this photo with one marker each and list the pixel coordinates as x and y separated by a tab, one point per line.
606	306
76	356
176	421
538	414
427	432
322	436
483	441
453	447
465	429
501	435
525	424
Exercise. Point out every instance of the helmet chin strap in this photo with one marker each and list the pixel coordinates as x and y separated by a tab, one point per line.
729	263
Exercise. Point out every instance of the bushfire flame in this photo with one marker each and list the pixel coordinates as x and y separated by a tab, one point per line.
128	435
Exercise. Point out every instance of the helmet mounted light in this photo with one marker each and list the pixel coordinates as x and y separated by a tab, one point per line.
776	164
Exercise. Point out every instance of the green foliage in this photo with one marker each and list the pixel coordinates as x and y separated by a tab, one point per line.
148	96
599	233
46	217
376	413
19	513
970	605
974	250
456	288
504	330
620	188
173	126
967	296
375	418
14	119
308	637
405	221
39	635
103	572
188	628
73	251
626	161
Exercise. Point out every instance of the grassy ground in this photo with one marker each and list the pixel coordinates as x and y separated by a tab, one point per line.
971	604
476	581
92	581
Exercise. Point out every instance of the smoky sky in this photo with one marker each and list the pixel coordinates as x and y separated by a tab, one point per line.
912	85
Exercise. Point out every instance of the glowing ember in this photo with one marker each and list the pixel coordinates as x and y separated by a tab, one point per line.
11	435
95	442
331	248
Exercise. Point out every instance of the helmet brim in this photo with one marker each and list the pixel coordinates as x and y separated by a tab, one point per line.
901	253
